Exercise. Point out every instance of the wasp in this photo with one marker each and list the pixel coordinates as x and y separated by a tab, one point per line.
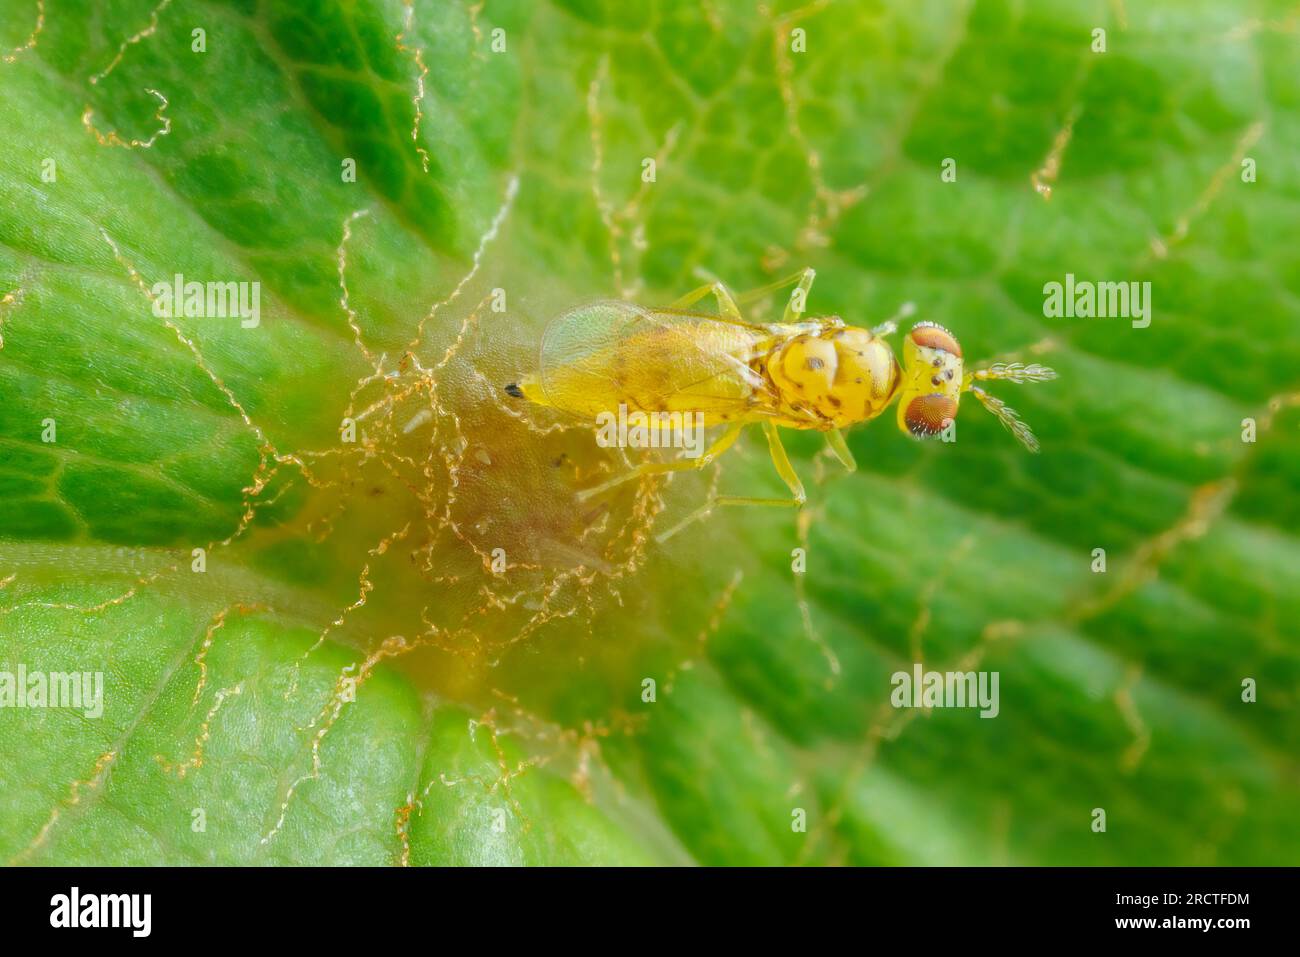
800	373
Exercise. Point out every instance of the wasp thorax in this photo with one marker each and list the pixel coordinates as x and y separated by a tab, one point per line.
932	380
845	376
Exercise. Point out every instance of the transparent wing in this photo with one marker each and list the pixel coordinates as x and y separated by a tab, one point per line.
599	355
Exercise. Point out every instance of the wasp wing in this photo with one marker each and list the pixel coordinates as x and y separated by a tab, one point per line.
598	356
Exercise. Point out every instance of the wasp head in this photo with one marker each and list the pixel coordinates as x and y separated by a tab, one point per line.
932	380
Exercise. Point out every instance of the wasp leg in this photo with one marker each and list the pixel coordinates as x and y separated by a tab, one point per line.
727	308
890	325
783	469
799	297
723	443
802	281
804	277
835	439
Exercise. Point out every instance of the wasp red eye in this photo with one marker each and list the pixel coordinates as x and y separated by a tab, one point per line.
927	334
929	414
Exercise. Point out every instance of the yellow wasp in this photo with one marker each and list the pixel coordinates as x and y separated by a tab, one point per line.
815	373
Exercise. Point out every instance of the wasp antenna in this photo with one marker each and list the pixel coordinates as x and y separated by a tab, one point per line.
1008	417
1016	372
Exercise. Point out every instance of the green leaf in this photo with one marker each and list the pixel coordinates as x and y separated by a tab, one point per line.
419	647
